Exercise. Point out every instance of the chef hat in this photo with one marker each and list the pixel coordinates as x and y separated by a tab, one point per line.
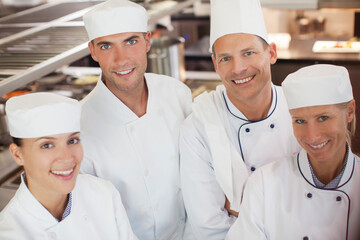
236	16
42	114
115	16
315	85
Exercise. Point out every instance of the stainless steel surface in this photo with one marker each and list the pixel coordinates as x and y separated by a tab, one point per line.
39	58
5	196
48	12
7	165
166	56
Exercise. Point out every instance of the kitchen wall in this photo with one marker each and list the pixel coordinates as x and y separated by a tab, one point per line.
339	22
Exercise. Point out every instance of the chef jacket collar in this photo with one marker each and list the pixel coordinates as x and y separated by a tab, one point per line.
109	101
238	114
32	205
304	168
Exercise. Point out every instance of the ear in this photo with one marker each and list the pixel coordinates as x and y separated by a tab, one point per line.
148	41
273	53
214	61
92	50
350	111
16	154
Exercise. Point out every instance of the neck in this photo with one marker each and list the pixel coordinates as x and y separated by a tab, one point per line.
53	202
136	99
328	170
257	108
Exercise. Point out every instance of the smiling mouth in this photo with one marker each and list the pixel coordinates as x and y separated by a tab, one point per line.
321	145
62	172
125	72
244	80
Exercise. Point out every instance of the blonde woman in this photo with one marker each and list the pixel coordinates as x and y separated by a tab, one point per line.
316	193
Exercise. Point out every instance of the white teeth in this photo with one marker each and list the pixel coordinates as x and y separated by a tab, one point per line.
64	173
243	80
124	72
319	146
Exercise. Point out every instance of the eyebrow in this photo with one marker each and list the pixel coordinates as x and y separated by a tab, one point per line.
131	38
103	43
220	55
51	138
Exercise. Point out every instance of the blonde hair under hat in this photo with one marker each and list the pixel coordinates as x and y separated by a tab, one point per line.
115	16
236	16
42	114
321	84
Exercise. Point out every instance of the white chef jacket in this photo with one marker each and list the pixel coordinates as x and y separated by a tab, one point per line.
257	143
140	156
96	213
281	201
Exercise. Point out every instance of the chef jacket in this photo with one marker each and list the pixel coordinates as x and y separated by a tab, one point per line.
256	143
96	213
140	155
281	201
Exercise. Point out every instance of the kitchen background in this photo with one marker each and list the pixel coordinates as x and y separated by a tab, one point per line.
43	47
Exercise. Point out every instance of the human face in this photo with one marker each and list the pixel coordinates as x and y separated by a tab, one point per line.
51	163
243	65
122	58
321	131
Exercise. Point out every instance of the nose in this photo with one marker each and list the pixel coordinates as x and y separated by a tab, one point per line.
65	153
312	132
120	56
239	66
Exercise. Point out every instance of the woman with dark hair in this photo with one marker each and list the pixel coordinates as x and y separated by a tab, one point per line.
53	200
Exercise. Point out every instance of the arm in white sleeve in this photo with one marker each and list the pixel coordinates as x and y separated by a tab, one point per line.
122	221
250	222
203	197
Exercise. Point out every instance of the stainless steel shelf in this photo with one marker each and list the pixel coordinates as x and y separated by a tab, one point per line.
42	47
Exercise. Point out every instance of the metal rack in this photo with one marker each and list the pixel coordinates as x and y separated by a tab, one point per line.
38	41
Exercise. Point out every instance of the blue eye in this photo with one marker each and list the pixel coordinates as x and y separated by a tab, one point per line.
299	121
249	53
323	118
105	47
74	141
47	146
132	42
225	59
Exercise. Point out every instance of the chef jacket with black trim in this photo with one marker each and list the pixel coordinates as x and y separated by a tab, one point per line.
202	149
281	201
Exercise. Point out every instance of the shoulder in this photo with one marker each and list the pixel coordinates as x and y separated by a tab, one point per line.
10	218
163	81
188	126
281	100
276	171
86	182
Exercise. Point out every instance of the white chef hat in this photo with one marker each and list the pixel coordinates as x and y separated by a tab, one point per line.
42	114
236	16
321	84
115	16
